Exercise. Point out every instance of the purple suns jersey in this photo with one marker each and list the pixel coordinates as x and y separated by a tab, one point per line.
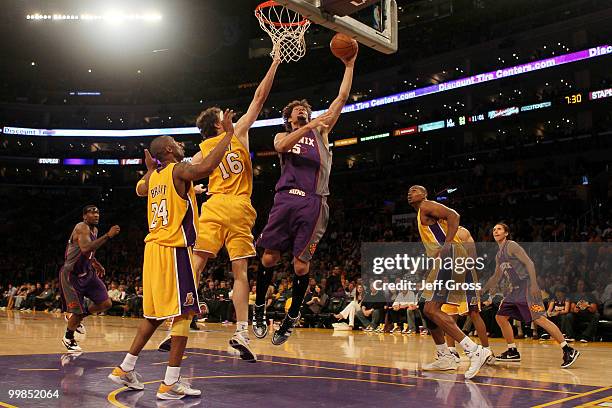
306	166
511	266
77	262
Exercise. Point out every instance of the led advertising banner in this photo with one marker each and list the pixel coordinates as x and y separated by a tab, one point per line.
48	161
108	162
501	73
604	93
78	162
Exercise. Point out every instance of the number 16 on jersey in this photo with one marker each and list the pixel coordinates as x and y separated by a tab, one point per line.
233	163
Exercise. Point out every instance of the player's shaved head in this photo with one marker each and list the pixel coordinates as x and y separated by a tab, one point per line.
158	147
416	195
90	207
419	188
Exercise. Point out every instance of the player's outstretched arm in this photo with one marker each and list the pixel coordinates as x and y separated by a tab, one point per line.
283	142
261	95
335	109
190	172
84	239
142	187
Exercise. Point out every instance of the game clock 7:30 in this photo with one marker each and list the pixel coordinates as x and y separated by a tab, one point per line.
573	99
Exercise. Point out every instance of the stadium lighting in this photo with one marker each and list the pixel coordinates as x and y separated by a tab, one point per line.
112	17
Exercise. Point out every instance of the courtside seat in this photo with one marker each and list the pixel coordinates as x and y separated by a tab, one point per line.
604	328
277	310
334	305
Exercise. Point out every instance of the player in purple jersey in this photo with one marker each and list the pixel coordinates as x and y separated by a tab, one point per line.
299	215
80	275
523	300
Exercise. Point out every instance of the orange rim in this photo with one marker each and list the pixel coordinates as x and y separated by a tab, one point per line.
272	3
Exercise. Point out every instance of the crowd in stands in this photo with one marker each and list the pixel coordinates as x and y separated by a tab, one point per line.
338	290
335	295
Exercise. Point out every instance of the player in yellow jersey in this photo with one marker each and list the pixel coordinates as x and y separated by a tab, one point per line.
471	305
168	275
227	217
438	226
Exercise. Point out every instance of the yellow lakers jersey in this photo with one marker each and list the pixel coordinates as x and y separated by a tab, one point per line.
234	175
433	236
173	220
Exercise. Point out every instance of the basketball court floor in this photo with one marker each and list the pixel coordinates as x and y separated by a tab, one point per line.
315	368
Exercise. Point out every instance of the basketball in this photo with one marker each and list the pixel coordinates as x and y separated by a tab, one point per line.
343	46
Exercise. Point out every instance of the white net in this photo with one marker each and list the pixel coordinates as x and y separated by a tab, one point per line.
285	27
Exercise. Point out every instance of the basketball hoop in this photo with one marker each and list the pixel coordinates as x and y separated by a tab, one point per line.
285	27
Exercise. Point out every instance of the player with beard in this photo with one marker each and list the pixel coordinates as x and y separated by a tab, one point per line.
299	216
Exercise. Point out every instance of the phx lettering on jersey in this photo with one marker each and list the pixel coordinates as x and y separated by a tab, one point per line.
305	141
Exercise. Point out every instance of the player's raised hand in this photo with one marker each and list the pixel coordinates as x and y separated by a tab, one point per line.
150	161
323	120
227	123
113	231
350	62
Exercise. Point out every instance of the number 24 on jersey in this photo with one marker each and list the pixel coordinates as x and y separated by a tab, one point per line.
159	211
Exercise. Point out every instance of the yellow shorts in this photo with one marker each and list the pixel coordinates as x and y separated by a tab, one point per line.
227	220
168	282
461	309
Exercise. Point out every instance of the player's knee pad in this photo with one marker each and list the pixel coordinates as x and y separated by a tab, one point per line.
181	327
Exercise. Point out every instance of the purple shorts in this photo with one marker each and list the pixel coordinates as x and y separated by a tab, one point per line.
75	289
520	305
297	223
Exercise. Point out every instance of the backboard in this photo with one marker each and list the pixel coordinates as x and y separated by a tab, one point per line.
339	15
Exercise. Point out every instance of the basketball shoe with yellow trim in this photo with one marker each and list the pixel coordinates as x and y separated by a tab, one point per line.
130	379
177	390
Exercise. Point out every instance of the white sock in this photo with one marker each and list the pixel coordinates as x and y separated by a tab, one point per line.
468	344
442	349
172	375
563	344
511	345
129	362
242	326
